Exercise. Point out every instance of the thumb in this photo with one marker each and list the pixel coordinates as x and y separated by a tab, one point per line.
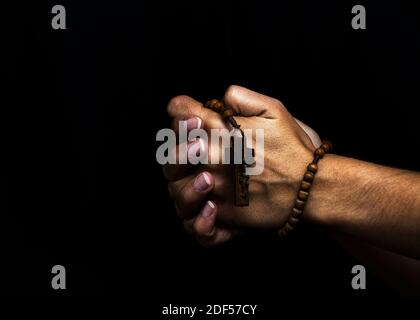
248	103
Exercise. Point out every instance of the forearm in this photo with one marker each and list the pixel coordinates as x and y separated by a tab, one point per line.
374	203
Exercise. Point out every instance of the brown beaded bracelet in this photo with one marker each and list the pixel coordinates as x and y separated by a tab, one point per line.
305	187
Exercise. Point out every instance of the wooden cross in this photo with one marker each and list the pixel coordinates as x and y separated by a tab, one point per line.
241	179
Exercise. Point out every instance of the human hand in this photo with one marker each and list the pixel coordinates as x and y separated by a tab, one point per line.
203	194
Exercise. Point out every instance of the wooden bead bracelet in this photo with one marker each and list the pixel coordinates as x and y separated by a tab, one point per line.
305	187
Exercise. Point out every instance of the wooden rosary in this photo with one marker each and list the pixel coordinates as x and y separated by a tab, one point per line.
305	187
241	179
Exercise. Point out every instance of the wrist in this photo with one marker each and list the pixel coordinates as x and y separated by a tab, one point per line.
304	191
323	195
338	183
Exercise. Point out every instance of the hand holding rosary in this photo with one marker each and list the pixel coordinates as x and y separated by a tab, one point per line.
241	179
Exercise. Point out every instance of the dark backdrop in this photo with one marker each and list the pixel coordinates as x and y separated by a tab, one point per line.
80	182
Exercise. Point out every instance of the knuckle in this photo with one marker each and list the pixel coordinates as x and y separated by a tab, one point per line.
203	229
231	92
279	105
199	230
222	181
175	103
223	184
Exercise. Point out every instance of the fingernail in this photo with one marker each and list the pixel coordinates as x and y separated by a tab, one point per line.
202	182
208	209
193	123
196	147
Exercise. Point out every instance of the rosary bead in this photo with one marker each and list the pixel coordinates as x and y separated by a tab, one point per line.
296	213
309	176
303	195
327	146
293	221
288	227
218	107
299	204
303	192
283	233
227	113
305	186
313	167
211	103
320	152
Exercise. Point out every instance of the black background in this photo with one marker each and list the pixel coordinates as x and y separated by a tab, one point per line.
80	182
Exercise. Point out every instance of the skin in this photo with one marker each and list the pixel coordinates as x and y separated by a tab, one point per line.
368	207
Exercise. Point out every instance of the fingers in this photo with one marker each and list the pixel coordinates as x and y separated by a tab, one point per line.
204	224
188	124
204	228
195	116
184	107
189	114
249	103
196	149
190	193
